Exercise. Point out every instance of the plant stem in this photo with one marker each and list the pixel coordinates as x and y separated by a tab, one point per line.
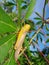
44	9
30	63
18	62
35	34
41	53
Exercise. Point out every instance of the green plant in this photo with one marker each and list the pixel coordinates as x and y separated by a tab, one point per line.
10	26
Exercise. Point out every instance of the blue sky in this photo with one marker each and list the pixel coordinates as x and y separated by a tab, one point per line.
47	11
39	8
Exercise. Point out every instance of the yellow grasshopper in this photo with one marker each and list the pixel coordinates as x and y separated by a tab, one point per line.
20	40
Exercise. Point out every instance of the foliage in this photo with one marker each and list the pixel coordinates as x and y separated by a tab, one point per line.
10	25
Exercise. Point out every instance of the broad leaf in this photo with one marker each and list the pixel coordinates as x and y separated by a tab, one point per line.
11	60
5	44
6	24
5	27
30	8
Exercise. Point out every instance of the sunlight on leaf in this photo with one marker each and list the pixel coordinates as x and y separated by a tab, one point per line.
6	21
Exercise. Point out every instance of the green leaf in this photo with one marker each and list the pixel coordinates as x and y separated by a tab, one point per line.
47	40
9	4
24	7
46	1
30	9
47	28
39	23
5	44
37	36
37	18
37	14
24	1
41	33
5	27
11	60
26	42
6	24
47	34
40	38
19	2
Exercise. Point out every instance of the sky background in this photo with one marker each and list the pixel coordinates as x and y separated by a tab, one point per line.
39	8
